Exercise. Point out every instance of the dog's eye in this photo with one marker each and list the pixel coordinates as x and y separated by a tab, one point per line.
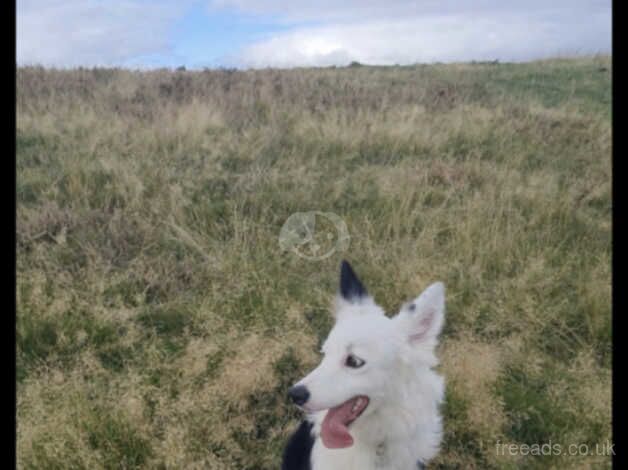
353	361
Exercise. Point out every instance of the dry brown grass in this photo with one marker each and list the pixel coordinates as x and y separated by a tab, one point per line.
159	322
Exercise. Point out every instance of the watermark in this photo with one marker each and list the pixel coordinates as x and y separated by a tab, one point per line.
552	449
314	235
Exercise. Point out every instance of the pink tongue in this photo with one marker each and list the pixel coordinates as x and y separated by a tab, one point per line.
334	430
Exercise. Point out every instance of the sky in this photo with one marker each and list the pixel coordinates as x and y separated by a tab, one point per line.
280	33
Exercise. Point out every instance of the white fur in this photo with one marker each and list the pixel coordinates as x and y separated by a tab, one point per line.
402	423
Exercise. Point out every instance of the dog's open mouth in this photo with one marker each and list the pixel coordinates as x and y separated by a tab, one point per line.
334	431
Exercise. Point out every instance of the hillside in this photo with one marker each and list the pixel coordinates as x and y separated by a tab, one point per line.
160	321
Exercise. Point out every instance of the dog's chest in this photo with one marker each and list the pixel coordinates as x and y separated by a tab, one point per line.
356	457
384	456
353	457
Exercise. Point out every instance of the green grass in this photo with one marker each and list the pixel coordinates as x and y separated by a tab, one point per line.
160	323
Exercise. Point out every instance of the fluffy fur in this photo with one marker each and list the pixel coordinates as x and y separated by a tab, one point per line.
401	426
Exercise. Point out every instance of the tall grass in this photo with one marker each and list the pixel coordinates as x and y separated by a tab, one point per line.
159	322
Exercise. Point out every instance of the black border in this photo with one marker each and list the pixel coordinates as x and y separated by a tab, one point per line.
619	407
10	68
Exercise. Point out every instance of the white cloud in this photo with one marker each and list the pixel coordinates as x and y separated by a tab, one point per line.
350	10
403	32
325	32
84	32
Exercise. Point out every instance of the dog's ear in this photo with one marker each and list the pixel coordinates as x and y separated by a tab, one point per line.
422	319
351	288
351	293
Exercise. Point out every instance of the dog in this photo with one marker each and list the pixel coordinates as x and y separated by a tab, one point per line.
374	401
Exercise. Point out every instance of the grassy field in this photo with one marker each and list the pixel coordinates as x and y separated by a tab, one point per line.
160	323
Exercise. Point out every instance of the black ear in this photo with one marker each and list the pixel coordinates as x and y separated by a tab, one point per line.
351	288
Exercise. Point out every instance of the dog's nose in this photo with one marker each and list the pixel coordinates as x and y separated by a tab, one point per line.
299	394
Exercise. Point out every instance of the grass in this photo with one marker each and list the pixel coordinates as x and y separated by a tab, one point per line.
160	322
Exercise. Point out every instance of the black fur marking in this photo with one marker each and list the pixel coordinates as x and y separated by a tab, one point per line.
420	465
412	307
351	288
296	455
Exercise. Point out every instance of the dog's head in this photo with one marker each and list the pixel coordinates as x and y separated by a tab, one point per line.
364	354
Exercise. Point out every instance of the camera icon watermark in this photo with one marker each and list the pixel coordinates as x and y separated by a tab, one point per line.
314	235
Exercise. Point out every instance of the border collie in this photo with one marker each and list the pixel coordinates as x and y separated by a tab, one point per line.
373	401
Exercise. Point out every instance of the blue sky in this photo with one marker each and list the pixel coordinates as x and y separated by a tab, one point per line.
206	37
279	33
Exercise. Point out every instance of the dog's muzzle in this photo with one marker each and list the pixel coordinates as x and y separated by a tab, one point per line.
299	394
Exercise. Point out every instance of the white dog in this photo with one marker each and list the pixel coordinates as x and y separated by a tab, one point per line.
373	402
